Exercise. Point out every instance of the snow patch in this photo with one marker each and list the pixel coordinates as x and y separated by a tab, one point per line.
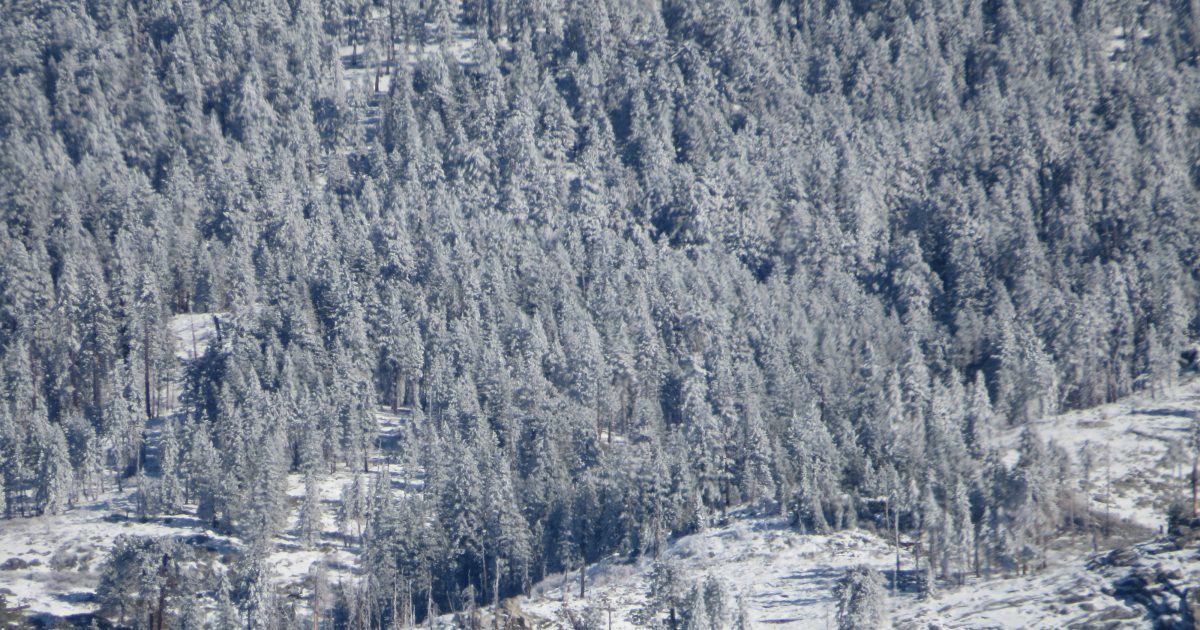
193	332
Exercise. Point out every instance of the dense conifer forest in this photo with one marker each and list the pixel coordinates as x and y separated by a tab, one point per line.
619	266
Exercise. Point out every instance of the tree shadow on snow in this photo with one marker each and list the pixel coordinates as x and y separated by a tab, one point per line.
1163	412
820	573
908	581
78	597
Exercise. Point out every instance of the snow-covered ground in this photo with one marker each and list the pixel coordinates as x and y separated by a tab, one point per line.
192	332
1143	586
784	578
66	551
358	75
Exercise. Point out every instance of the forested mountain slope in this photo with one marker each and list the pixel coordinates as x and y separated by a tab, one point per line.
620	265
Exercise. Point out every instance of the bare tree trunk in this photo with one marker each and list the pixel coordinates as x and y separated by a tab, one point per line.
1108	491
976	537
391	50
33	380
582	577
429	598
96	386
410	614
496	595
483	582
1195	472
160	613
896	535
146	368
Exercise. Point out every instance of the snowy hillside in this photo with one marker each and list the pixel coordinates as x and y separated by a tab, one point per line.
786	579
51	564
1137	449
781	578
1144	586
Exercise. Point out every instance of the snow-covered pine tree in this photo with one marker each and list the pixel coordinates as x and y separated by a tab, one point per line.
860	599
55	477
352	509
308	525
171	493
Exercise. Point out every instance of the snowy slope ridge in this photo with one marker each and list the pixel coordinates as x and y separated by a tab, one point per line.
786	579
782	578
1153	584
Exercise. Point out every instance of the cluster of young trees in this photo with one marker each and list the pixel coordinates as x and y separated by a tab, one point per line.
673	601
159	583
628	264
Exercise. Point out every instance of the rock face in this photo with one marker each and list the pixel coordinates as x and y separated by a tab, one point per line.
1154	584
1160	580
1183	530
13	564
